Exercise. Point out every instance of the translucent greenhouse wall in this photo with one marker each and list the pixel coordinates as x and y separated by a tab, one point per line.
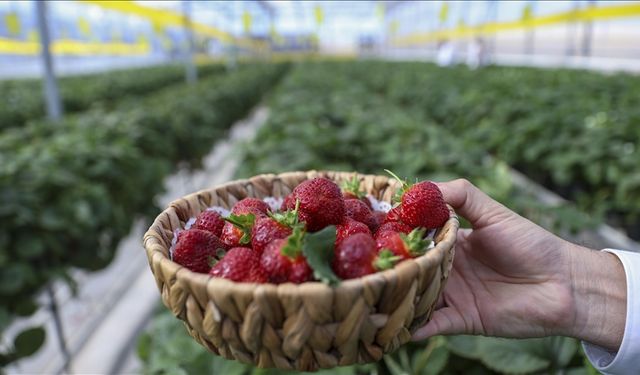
518	31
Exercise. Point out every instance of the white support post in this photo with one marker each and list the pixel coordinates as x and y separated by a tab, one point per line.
51	93
531	34
191	73
588	34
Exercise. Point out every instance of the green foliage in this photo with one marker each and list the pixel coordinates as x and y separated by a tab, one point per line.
319	260
71	192
510	356
431	359
573	131
25	344
166	348
350	116
23	100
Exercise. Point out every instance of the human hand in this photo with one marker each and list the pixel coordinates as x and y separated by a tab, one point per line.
512	278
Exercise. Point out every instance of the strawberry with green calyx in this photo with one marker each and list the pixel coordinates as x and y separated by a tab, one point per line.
422	204
321	203
357	210
196	249
351	190
348	228
392	226
393	216
275	226
405	246
237	229
240	264
251	206
288	202
283	260
357	256
210	221
288	217
385	260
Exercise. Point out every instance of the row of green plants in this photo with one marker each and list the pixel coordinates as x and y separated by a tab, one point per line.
166	348
576	132
71	191
341	116
22	100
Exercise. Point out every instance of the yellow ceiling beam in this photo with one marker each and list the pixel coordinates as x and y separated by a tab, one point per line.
161	17
585	14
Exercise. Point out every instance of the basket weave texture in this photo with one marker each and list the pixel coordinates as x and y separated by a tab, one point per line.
307	326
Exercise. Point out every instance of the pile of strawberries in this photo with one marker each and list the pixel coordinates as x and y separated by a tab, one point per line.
254	244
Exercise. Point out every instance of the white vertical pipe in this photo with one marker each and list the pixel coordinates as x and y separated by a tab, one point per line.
51	93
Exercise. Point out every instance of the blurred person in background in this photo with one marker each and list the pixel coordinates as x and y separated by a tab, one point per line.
512	278
476	53
446	55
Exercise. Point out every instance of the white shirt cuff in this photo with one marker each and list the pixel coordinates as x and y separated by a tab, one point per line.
627	359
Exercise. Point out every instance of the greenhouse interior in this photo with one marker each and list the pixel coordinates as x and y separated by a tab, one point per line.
170	171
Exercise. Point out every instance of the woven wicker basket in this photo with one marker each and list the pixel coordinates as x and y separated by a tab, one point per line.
306	326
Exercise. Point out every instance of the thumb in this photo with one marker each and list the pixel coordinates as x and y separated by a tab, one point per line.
445	321
470	202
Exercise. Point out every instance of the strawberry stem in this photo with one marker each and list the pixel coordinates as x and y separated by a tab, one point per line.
288	218
405	186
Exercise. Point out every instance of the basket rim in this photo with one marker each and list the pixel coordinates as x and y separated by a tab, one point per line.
197	280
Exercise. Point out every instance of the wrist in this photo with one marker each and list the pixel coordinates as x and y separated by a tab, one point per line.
599	290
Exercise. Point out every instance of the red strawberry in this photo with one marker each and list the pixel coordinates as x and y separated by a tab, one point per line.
237	229
406	246
283	261
356	256
240	264
393	215
288	203
349	227
210	221
250	206
277	225
351	190
195	249
422	205
321	203
392	226
266	230
380	217
355	209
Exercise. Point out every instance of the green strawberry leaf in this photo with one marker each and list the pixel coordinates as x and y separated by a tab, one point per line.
514	356
244	223
294	244
28	342
415	241
352	186
318	249
385	260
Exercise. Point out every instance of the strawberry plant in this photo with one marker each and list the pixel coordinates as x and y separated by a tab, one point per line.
72	191
23	101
